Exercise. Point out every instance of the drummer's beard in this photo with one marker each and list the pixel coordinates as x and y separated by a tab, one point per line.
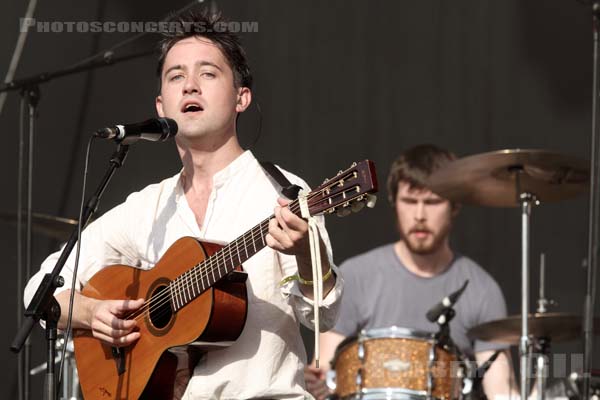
431	243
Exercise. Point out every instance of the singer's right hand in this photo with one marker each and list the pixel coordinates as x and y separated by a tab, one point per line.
107	321
315	382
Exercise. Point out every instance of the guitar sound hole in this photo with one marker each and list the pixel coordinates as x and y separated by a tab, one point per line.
160	309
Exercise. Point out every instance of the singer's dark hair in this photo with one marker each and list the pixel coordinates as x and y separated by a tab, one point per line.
414	166
212	26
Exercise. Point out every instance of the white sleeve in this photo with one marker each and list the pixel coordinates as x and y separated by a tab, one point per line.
302	305
104	242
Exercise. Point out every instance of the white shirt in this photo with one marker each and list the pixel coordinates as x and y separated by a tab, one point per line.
268	358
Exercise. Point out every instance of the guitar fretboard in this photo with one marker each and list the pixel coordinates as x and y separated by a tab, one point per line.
339	191
203	276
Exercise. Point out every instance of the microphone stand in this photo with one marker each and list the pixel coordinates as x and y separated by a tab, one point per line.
44	305
443	335
443	339
594	211
108	58
30	95
30	92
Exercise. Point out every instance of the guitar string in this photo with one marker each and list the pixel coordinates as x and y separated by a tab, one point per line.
209	264
201	270
191	277
164	296
184	284
213	261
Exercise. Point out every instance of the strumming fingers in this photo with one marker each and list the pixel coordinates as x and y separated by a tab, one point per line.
119	341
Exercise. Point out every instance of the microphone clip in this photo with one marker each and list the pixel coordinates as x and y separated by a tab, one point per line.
443	334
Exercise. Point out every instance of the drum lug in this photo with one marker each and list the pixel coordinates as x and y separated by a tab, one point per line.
361	352
430	382
359	379
330	380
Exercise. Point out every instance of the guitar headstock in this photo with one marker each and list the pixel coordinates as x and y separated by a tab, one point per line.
349	190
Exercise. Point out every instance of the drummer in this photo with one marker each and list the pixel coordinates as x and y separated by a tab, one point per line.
397	283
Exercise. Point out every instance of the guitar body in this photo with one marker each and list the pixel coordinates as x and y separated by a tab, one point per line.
216	315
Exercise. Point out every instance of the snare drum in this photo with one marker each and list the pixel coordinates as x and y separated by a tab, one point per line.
396	363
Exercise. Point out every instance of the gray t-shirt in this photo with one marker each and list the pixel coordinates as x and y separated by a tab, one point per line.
379	292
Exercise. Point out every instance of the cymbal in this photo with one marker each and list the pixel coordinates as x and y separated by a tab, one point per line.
47	225
489	179
553	326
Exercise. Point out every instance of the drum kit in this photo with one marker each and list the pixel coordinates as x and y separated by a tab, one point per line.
398	363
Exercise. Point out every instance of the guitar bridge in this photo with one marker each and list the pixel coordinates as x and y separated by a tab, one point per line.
118	354
237	276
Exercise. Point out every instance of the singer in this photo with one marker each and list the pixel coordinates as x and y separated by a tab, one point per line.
397	284
220	193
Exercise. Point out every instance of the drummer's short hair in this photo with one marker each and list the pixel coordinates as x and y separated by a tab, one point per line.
212	26
414	166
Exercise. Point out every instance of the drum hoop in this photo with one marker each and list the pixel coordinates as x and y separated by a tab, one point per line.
389	393
392	332
396	332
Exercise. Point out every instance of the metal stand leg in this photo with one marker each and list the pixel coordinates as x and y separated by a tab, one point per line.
541	368
526	200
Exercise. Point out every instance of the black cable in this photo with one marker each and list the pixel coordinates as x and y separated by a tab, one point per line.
20	182
259	127
81	115
77	252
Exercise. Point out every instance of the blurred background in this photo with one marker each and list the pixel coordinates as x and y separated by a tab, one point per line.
337	82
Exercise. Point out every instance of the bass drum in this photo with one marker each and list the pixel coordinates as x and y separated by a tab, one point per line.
396	363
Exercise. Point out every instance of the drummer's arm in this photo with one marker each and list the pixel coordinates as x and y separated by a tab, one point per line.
329	342
498	381
315	377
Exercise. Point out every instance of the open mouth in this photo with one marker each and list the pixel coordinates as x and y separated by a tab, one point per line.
191	108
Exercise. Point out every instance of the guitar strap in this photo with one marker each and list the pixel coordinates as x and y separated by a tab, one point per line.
288	189
292	191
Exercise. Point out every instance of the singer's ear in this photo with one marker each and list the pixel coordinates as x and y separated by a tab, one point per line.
244	98
159	106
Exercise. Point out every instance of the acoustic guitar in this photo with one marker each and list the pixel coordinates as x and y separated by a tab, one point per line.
195	293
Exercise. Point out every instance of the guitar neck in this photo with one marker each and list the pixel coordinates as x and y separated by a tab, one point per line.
203	276
347	191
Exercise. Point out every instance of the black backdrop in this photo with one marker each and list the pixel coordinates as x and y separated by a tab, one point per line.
337	81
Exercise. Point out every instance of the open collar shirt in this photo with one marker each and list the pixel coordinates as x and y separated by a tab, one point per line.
267	359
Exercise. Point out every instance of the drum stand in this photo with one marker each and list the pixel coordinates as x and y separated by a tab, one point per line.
542	345
542	350
526	200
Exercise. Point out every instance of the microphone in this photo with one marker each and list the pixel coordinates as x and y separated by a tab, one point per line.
153	129
447	302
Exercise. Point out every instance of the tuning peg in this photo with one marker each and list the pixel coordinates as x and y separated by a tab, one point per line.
357	206
343	211
371	200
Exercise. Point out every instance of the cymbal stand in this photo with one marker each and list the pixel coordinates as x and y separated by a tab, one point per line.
594	209
542	345
526	200
542	350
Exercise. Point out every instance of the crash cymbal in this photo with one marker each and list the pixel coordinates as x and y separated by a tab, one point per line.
489	179
552	326
47	225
